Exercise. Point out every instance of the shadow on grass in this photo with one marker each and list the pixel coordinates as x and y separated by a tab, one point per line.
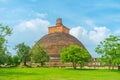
87	69
79	69
115	70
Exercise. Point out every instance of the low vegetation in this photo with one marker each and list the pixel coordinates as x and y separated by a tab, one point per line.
57	74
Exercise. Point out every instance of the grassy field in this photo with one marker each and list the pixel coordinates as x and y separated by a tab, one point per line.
57	74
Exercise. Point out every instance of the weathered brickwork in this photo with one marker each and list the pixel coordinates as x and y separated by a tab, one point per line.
53	43
58	28
58	37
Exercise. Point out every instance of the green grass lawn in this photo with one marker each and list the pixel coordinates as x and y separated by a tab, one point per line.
57	74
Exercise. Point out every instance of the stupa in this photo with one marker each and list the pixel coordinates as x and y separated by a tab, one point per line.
58	37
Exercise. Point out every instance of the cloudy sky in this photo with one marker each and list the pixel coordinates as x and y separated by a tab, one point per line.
90	21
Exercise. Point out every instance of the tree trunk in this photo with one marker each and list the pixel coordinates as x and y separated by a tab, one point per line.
81	65
74	65
25	63
109	67
110	64
118	67
95	65
42	64
113	67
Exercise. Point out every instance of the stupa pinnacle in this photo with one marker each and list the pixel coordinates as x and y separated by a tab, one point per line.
58	28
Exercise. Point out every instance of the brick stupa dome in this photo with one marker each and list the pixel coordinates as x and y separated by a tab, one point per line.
58	36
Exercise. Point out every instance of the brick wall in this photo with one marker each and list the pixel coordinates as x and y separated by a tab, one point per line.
58	29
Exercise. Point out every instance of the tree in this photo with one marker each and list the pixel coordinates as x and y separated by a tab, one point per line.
4	32
16	60
23	52
74	54
9	59
39	55
109	49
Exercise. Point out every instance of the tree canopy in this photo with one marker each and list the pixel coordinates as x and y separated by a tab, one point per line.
74	54
39	55
4	53
23	52
109	49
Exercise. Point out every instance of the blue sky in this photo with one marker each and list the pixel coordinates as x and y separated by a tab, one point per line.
90	21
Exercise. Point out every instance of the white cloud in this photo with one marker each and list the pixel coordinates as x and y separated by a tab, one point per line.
98	34
33	25
95	35
78	32
90	38
75	31
29	31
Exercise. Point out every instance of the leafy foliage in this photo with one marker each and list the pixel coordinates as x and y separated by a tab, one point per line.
23	52
39	55
74	54
16	60
4	32
109	49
